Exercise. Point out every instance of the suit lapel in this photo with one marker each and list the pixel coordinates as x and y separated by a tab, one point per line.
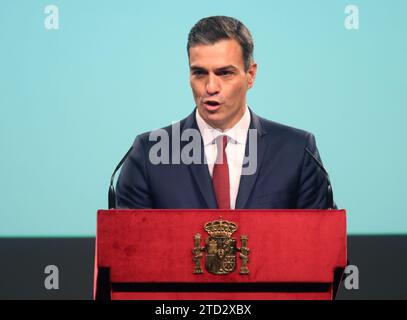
203	179
200	172
247	181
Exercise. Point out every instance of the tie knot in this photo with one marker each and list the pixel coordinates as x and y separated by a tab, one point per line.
222	142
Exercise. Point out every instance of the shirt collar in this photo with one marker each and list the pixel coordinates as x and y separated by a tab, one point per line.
238	133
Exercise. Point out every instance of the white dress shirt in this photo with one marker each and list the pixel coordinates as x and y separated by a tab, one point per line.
235	149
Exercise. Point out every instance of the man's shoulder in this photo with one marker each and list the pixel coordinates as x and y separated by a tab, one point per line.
276	130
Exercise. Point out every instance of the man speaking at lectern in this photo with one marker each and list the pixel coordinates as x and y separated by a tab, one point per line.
223	155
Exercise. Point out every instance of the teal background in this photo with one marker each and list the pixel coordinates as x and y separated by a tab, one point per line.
72	100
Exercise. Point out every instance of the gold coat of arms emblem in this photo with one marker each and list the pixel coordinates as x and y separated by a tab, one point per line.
220	248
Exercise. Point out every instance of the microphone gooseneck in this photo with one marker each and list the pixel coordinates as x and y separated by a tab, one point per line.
112	191
330	196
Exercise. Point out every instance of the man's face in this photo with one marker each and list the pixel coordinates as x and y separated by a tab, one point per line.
219	82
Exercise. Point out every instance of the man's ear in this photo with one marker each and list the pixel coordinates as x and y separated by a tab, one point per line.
251	74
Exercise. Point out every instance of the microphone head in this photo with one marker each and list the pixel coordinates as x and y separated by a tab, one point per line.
112	197
330	196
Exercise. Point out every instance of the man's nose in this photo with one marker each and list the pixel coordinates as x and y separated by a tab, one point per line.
213	85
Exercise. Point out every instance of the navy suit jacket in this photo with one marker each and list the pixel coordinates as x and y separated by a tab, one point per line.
286	176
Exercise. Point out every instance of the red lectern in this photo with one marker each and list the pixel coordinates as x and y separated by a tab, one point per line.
219	254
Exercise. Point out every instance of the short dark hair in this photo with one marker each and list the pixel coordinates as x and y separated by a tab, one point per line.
216	28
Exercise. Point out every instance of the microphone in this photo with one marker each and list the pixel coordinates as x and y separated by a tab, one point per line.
330	196
112	191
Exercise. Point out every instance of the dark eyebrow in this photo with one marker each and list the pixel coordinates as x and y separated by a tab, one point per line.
229	67
196	68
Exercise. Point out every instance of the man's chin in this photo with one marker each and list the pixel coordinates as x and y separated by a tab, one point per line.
216	121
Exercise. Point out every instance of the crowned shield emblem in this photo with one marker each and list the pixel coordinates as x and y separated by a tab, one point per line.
221	249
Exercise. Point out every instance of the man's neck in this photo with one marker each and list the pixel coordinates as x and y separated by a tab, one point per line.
238	132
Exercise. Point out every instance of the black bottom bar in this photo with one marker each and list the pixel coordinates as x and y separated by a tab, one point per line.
221	287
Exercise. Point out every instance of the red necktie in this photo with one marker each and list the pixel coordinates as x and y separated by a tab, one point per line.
220	177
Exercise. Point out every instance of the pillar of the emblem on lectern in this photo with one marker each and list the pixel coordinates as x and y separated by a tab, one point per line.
244	255
197	251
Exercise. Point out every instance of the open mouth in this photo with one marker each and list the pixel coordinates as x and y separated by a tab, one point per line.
212	105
